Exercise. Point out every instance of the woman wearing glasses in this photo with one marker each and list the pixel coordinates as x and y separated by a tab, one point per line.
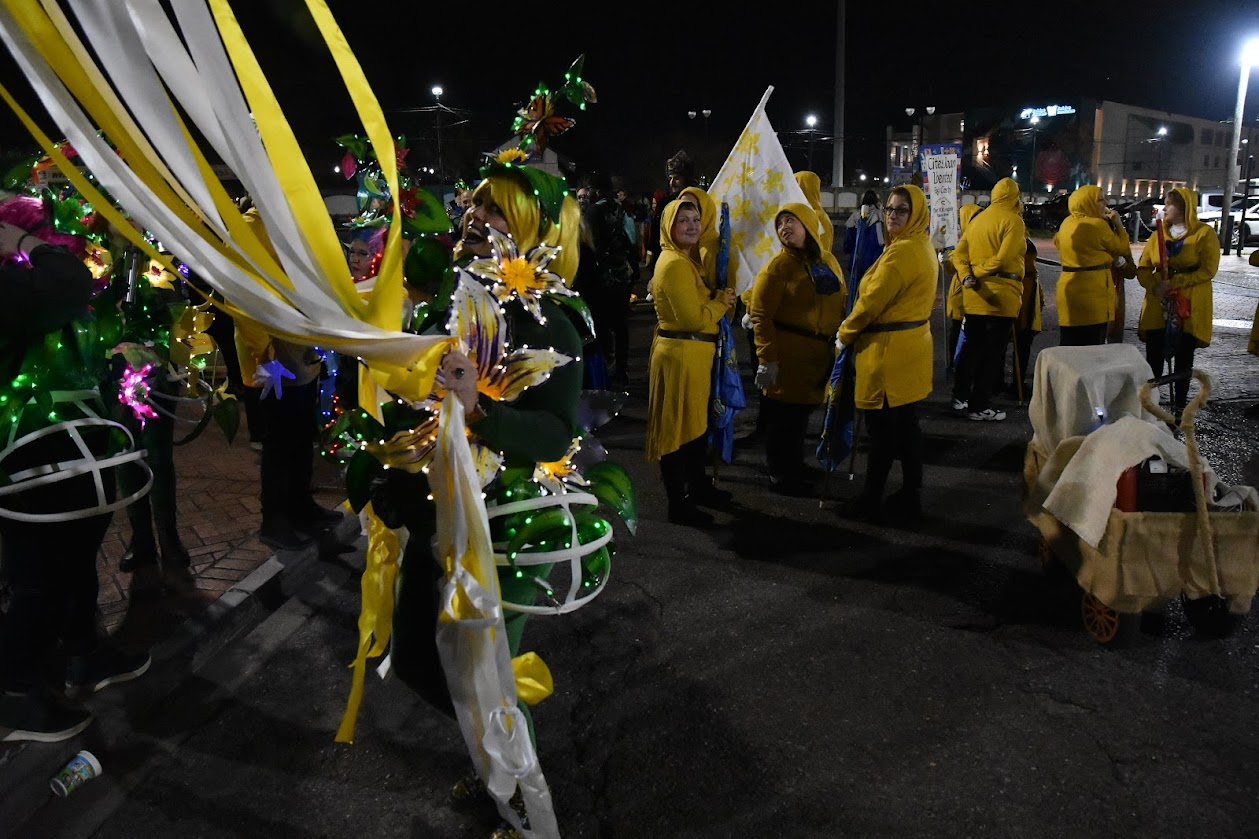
888	328
796	305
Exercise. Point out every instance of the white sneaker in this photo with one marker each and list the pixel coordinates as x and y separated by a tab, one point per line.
988	414
959	405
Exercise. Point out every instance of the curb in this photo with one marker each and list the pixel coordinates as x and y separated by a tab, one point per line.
193	644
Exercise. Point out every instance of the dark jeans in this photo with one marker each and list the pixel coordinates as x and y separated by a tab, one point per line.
51	571
1181	360
609	308
288	448
894	435
982	356
785	427
682	470
1093	335
346	381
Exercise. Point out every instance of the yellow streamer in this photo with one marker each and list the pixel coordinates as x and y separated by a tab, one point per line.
85	187
375	619
533	678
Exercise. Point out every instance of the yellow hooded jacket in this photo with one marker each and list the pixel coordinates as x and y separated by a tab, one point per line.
679	369
894	364
793	323
811	185
953	304
991	250
1190	270
255	346
1087	246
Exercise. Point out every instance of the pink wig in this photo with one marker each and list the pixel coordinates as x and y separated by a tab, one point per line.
30	214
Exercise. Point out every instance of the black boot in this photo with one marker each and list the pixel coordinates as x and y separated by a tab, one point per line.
139	554
174	554
685	512
706	494
862	508
279	532
905	505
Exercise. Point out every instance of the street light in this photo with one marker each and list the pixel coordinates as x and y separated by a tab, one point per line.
437	97
705	113
918	138
1160	139
1250	55
1033	121
811	121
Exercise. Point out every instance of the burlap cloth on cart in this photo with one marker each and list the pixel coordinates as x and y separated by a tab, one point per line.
1128	561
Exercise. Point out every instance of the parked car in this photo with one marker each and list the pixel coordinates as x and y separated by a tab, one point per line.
1212	217
1047	215
1142	213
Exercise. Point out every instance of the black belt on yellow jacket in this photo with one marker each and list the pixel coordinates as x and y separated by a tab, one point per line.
710	337
1006	275
800	330
894	326
1187	269
1068	268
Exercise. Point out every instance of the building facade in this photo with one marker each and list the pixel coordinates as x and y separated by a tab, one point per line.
1051	148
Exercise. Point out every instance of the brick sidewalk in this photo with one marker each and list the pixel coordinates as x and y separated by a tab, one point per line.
218	503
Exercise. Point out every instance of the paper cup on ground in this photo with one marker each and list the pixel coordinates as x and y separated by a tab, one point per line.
82	768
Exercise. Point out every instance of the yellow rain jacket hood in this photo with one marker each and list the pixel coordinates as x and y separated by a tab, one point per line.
1087	246
991	250
709	235
811	185
1193	258
793	321
889	325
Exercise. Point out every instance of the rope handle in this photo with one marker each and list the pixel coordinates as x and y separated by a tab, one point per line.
1195	459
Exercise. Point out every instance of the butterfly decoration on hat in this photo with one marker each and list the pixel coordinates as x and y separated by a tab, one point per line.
537	122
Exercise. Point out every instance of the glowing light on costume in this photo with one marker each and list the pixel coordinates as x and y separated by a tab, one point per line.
134	392
524	278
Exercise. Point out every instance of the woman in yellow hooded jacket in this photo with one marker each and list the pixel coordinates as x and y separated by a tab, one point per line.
796	305
890	334
680	366
953	302
1090	242
989	259
1193	257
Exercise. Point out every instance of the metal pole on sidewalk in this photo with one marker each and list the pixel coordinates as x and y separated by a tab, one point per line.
1241	225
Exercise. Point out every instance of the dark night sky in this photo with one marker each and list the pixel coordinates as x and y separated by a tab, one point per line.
651	62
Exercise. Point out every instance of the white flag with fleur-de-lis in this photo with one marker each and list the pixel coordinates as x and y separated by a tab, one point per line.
755	181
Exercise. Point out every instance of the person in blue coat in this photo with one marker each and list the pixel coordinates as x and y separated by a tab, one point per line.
863	237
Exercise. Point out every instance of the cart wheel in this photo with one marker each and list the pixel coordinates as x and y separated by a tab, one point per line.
1106	626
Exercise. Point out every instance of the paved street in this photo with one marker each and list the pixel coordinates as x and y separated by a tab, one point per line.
787	673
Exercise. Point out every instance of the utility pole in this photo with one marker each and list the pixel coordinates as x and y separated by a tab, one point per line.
1241	225
837	153
437	97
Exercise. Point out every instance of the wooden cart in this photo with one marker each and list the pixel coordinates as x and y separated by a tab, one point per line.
1210	560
